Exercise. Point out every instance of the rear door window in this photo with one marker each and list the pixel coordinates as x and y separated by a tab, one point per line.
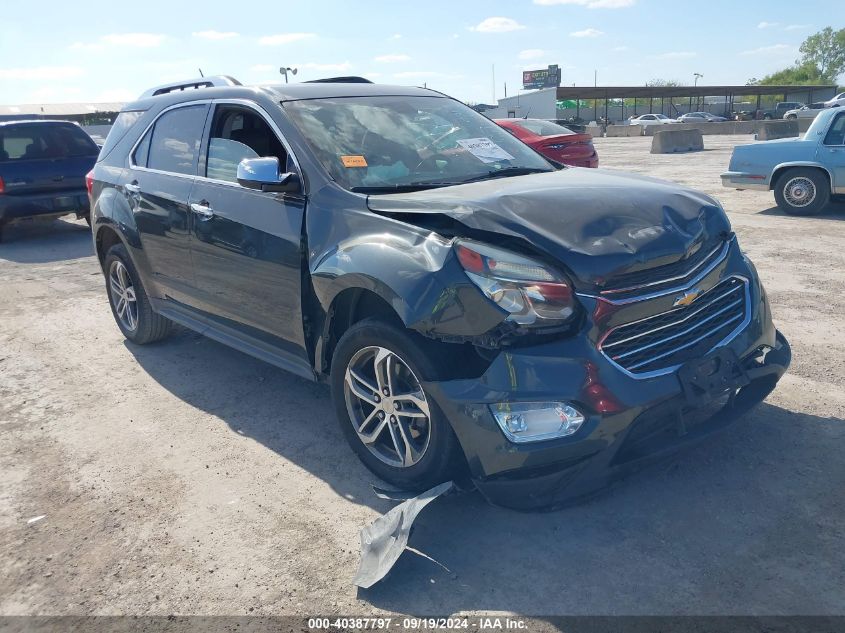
175	141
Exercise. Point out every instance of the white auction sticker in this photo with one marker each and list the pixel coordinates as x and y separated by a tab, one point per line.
484	150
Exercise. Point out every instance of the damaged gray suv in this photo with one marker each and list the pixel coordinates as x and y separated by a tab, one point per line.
477	311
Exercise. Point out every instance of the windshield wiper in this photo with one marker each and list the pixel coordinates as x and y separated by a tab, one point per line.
401	188
507	171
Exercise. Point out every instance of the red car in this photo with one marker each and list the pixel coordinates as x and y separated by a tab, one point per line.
554	141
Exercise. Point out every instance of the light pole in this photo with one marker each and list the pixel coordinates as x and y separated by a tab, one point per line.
695	85
285	72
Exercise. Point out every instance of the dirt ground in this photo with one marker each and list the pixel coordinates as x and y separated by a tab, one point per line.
187	478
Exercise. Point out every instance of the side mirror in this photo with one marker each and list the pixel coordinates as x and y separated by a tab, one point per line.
263	174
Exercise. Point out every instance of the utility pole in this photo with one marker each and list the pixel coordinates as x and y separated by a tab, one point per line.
695	85
595	101
494	83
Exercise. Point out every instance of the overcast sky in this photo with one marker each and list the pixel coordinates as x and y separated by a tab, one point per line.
112	51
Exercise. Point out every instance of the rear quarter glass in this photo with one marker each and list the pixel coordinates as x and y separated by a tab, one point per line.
122	124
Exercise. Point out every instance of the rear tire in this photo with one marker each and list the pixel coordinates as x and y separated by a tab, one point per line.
129	303
802	191
435	455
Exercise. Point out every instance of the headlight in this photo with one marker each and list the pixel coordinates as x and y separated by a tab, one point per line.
523	422
529	291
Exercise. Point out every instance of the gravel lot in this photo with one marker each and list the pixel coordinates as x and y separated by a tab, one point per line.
187	478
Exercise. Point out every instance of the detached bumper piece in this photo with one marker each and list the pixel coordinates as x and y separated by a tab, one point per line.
714	392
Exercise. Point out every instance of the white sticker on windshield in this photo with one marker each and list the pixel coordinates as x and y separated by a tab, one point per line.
484	150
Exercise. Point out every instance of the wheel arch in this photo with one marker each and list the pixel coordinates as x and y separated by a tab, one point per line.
106	237
780	169
348	307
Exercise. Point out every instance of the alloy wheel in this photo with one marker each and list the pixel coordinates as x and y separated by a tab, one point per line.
123	297
799	191
387	406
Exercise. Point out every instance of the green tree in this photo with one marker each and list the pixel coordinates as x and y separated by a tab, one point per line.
826	51
659	83
805	74
822	62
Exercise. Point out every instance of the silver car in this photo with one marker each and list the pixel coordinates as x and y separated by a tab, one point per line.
805	112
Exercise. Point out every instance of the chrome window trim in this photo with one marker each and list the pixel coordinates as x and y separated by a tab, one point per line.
727	339
242	102
141	136
667	291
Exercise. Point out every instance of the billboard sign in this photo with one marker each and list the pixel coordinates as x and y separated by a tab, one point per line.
545	78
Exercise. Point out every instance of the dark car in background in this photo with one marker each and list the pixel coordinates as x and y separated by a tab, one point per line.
554	141
42	169
477	312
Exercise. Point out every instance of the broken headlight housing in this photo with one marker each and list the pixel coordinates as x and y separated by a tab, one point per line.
532	293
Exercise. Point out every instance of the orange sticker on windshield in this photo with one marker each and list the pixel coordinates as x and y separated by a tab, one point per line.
353	161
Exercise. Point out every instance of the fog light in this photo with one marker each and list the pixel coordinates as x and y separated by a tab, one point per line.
536	421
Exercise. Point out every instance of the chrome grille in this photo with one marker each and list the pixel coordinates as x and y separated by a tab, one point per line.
654	279
664	341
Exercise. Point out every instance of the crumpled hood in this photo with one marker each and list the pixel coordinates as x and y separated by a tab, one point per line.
598	223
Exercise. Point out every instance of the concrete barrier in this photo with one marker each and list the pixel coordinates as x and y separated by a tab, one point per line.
770	130
675	141
624	130
721	127
744	127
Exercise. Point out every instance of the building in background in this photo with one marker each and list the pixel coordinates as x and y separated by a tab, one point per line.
619	103
82	113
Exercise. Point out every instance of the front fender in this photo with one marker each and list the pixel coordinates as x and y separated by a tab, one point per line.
417	275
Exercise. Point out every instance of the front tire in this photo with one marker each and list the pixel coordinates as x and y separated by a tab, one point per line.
129	303
389	420
802	191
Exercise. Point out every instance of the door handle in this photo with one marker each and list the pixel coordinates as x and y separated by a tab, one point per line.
202	209
133	187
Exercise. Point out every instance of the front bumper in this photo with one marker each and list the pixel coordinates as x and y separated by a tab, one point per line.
630	420
741	180
17	206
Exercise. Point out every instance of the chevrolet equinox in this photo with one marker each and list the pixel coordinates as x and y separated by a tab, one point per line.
476	310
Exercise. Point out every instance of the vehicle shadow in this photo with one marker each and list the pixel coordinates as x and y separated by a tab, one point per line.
835	210
289	415
751	521
40	242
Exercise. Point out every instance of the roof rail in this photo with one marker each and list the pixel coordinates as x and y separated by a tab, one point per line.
340	80
201	82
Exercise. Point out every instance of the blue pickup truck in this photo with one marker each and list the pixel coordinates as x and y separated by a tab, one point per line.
42	169
803	172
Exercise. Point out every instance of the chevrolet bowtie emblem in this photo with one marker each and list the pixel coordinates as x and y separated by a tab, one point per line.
687	298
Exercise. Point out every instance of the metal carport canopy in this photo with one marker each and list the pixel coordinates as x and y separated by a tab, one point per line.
656	92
